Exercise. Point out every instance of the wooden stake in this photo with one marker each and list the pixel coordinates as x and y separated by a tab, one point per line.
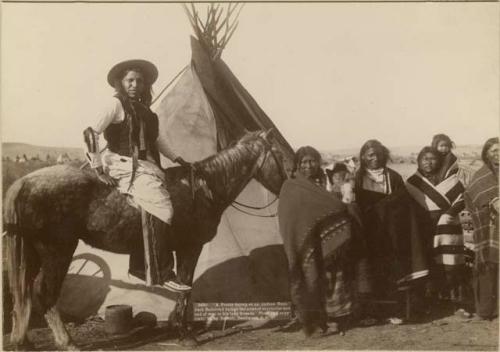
408	305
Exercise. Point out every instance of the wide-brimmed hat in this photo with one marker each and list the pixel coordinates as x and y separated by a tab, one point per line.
147	68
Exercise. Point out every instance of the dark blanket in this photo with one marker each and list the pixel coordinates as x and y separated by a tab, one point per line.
396	255
308	213
449	166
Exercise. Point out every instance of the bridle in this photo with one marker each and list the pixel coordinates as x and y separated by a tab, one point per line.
268	150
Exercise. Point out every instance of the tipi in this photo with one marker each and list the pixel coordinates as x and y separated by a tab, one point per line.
207	109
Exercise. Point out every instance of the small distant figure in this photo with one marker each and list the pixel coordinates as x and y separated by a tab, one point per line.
22	159
48	157
63	159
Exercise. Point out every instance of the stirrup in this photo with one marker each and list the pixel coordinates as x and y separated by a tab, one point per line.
175	286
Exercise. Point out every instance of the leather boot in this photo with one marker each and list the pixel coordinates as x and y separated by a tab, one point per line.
161	256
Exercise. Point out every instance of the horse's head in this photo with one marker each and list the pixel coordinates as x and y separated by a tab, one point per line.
268	169
230	170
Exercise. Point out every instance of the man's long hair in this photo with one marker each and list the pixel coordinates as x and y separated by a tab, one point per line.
379	148
489	143
146	97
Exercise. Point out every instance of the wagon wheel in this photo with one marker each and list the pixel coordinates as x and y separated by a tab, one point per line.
88	264
90	273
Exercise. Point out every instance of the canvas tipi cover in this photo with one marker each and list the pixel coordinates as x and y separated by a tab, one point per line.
206	110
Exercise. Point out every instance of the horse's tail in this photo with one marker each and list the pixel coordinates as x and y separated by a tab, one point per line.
18	252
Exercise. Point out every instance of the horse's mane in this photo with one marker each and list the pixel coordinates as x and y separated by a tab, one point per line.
231	159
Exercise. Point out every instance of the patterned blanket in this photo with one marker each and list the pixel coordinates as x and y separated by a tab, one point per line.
481	199
309	215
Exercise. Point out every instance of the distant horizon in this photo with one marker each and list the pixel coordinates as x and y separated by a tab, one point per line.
322	150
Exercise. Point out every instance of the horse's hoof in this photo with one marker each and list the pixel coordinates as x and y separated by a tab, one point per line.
72	347
68	347
188	342
24	346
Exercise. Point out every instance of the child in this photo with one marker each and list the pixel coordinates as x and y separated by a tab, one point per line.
449	162
340	182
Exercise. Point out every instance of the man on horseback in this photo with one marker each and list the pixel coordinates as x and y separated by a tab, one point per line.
132	161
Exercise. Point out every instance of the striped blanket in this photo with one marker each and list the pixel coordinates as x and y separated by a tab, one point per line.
446	201
481	198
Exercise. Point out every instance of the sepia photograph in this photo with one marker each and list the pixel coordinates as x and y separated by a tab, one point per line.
250	175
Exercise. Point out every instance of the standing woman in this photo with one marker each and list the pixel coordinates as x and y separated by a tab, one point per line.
132	160
440	202
448	161
481	199
395	252
307	212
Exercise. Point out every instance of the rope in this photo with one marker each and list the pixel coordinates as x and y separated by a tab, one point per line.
254	207
168	85
270	150
256	215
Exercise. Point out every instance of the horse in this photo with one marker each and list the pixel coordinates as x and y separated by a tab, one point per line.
49	210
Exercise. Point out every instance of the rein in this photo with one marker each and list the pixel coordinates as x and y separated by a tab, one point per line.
234	203
256	168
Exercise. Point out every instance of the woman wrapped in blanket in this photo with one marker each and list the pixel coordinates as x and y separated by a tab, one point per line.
317	232
481	199
440	202
395	256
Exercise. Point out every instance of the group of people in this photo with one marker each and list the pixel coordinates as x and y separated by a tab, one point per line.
351	240
361	256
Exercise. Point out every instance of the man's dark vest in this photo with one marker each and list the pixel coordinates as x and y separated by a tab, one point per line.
123	136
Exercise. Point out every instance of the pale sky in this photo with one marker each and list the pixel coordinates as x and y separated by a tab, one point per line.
329	75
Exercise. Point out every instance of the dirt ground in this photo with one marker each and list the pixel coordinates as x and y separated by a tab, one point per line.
443	331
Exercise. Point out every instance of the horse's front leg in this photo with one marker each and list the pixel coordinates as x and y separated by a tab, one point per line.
183	321
187	257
